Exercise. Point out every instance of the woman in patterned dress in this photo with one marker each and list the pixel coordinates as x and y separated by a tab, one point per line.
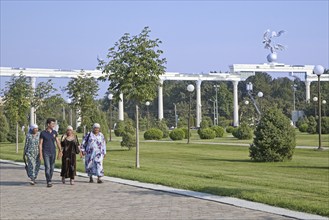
94	149
70	147
31	152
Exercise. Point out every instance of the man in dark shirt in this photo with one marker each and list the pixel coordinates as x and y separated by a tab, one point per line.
47	149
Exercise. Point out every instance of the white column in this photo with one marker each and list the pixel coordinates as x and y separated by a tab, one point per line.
308	90
235	104
198	103
121	117
32	112
160	100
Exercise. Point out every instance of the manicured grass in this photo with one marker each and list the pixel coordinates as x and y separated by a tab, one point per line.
302	139
300	184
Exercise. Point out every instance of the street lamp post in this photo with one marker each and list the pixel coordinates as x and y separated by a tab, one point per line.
216	101
69	101
249	88
148	113
318	70
214	110
110	97
190	89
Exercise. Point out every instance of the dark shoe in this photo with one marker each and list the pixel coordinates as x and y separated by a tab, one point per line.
91	180
63	180
99	181
49	184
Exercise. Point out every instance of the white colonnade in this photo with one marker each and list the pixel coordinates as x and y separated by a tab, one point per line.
238	72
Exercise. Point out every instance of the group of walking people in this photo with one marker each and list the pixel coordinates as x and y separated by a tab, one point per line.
42	146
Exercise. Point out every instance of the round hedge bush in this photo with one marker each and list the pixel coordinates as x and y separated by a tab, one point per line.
128	140
185	131
153	134
177	134
218	130
120	129
312	125
229	129
207	133
274	138
303	127
325	125
243	132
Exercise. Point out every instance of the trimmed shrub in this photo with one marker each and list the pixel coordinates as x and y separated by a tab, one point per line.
128	140
274	138
203	124
229	129
163	127
153	134
206	119
301	121
185	131
243	132
128	136
177	134
218	130
325	125
312	125
207	133
303	127
119	129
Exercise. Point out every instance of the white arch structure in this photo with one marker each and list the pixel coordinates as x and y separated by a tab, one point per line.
238	72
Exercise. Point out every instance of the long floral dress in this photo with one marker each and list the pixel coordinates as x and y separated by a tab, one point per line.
31	151
69	157
94	149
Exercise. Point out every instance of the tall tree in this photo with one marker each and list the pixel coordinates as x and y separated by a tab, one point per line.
40	100
18	96
133	69
83	91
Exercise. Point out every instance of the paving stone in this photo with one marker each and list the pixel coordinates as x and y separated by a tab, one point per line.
20	200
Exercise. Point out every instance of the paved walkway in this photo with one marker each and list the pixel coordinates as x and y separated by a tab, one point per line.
110	200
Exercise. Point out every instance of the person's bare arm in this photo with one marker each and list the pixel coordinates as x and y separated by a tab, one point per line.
60	153
40	148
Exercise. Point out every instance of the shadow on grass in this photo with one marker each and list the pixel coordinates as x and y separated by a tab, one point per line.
122	149
228	160
306	167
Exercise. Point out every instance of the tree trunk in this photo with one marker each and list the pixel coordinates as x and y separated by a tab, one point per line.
16	137
137	137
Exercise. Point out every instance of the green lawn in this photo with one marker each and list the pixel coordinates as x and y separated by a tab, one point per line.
300	184
302	139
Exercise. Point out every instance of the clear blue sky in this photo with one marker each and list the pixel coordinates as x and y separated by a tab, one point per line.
198	36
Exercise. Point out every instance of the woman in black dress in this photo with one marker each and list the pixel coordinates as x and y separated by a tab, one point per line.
70	147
